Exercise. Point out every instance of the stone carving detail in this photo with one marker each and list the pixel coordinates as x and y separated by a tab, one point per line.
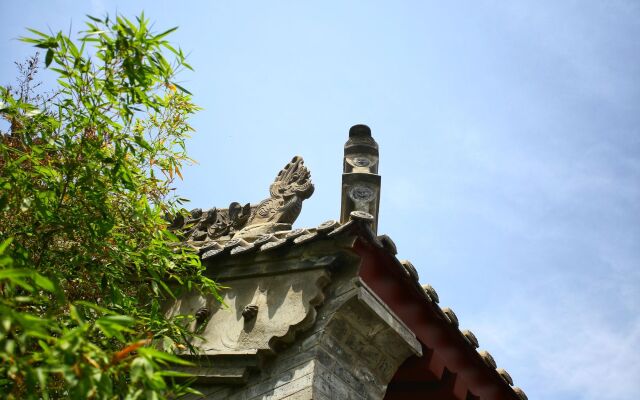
290	188
249	312
360	179
361	161
202	314
362	193
213	223
258	312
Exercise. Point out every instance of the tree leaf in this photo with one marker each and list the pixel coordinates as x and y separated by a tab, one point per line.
44	283
154	354
48	58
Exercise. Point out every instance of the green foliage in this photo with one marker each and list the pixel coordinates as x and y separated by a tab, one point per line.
86	259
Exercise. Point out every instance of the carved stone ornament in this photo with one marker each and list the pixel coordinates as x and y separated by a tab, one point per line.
202	314
257	312
290	188
250	311
362	193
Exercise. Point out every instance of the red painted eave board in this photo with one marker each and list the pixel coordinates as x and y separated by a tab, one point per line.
442	341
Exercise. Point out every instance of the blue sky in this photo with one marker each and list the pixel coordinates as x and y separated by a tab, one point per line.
509	140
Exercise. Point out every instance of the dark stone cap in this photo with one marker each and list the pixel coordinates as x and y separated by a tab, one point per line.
360	141
360	130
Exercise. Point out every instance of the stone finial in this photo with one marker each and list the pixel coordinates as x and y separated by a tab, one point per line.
360	179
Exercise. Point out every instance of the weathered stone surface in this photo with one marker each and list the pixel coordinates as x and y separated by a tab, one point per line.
280	304
360	179
290	188
298	320
350	352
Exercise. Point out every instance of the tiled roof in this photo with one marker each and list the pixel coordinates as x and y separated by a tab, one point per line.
359	226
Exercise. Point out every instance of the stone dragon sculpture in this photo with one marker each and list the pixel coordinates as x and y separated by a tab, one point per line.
290	188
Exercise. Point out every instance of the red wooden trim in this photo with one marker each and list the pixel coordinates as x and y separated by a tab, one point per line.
449	365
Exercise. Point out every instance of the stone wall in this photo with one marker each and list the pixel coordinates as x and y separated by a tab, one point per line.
351	351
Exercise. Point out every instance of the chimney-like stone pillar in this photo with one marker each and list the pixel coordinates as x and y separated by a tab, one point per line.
360	179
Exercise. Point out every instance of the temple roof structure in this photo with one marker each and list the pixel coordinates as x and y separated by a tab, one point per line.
327	311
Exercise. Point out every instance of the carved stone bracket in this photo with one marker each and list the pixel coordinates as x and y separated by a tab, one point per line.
261	313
